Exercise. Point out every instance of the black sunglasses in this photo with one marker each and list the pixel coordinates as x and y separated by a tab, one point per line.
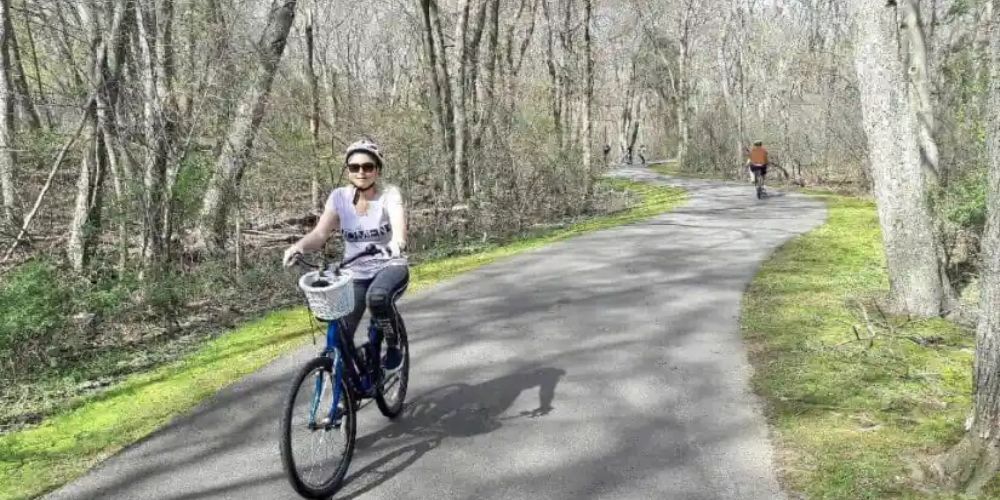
357	167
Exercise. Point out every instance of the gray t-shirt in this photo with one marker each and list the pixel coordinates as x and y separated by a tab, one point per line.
359	231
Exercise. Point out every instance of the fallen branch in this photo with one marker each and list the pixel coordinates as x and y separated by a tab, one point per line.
302	220
289	237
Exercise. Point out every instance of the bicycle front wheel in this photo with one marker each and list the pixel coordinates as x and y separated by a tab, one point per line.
316	442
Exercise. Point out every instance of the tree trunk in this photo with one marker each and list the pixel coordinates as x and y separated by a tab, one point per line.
28	110
436	95
8	160
83	227
513	64
588	96
975	460
920	91
107	106
34	63
683	129
167	108
485	119
910	244
66	49
555	86
230	166
633	134
317	200
461	126
155	20
443	77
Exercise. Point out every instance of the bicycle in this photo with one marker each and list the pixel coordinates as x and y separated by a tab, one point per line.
327	391
758	181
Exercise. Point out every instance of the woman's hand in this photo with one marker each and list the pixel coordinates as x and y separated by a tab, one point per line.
395	248
291	254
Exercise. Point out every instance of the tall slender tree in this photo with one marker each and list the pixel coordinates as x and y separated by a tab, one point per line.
7	127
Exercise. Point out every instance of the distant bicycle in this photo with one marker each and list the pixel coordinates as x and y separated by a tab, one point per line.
319	422
759	172
758	161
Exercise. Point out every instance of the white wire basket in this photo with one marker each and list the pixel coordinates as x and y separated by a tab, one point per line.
330	297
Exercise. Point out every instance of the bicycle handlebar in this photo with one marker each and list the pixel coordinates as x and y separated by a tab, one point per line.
371	249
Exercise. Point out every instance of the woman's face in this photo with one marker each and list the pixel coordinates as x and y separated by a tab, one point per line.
362	169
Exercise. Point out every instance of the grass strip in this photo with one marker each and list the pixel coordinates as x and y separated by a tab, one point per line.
851	417
673	169
36	460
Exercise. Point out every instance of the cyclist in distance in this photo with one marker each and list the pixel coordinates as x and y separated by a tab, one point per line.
758	161
367	212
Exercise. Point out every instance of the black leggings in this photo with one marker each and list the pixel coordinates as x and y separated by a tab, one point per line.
379	294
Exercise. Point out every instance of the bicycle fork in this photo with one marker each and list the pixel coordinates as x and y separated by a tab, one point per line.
332	419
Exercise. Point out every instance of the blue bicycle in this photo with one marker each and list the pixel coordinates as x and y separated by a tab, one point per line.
319	422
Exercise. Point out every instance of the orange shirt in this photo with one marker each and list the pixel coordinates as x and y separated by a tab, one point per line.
758	155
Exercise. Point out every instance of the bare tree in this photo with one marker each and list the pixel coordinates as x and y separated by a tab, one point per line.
975	460
155	23
239	140
916	285
29	112
86	222
461	87
436	69
314	109
588	94
7	127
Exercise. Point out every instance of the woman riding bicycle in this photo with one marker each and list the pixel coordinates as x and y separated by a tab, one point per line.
367	212
758	160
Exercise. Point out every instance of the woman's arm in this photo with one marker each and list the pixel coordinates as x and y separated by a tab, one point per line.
397	216
327	224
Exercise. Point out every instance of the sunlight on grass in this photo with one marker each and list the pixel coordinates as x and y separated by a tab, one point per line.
849	419
64	447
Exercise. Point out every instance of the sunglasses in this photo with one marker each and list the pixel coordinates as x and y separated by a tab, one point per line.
357	167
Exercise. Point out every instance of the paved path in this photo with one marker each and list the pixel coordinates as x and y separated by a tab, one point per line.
606	366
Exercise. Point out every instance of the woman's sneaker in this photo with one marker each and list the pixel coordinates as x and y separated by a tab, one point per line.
392	360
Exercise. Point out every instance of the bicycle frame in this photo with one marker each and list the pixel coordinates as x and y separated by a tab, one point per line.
338	347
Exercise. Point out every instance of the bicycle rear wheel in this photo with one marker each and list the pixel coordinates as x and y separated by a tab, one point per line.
391	393
316	447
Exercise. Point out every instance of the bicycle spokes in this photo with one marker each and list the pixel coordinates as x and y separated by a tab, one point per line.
316	444
317	395
338	370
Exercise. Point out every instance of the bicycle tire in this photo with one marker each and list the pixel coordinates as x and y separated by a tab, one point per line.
348	426
391	411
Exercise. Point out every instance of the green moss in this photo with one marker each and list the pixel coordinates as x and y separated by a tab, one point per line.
64	447
849	418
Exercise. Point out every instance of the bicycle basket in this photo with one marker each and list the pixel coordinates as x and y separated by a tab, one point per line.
330	297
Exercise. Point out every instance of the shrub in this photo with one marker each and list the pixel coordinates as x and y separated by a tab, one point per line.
34	299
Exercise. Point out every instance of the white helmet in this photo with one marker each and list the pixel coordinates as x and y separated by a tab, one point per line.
365	145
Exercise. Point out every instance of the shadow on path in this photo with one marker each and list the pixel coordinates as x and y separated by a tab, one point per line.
451	411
